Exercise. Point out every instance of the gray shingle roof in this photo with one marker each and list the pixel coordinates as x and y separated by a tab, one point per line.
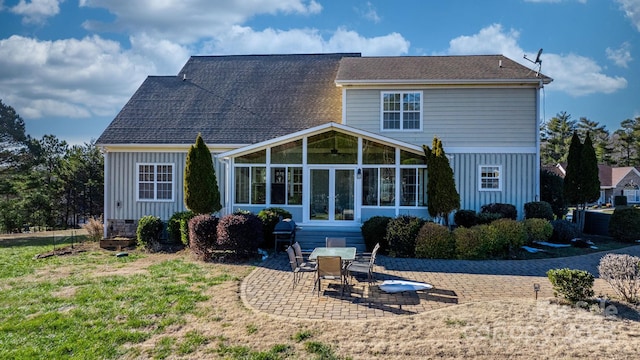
434	69
240	99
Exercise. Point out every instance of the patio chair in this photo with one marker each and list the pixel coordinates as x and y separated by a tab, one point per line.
336	242
295	269
301	254
364	267
329	268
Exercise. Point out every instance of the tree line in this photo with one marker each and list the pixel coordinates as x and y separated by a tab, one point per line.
45	182
618	148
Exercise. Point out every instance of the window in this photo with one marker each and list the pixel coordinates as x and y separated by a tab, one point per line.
490	177
402	110
286	185
250	180
378	186
155	182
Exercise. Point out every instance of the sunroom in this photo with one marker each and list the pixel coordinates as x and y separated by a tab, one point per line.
329	175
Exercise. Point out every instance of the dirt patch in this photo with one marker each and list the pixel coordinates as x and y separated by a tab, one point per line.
68	250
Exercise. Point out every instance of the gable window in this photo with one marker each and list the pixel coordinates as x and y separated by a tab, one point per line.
490	178
155	182
402	110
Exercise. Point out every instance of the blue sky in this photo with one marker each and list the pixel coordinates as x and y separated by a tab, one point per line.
69	66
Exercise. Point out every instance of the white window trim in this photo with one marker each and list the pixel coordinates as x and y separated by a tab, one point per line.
155	182
500	177
383	93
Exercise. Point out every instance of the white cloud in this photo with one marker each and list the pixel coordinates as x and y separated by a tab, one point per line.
71	78
370	13
36	11
243	40
187	21
621	56
576	75
631	9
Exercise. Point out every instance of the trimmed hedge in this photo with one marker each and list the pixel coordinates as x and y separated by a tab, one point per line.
148	232
468	243
538	229
203	236
241	233
564	231
401	235
174	226
374	231
507	211
573	285
510	236
625	224
538	210
435	242
465	218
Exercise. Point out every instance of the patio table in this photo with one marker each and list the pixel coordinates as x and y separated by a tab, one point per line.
346	253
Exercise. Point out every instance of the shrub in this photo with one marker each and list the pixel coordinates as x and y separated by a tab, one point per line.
148	232
552	191
624	224
510	235
465	218
241	233
488	218
507	211
619	200
573	285
468	244
622	272
269	218
564	231
174	225
203	236
435	242
538	229
538	210
374	231
401	235
95	229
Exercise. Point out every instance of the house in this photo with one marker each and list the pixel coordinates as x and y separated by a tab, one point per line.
614	181
333	138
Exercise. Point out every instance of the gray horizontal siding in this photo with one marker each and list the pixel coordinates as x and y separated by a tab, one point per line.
519	184
460	117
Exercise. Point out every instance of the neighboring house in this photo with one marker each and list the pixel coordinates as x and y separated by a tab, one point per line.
333	138
614	181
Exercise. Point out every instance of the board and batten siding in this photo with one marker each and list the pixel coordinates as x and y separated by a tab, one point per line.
121	180
519	180
460	117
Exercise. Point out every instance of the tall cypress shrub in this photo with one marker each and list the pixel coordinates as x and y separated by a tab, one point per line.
572	176
589	171
442	196
201	194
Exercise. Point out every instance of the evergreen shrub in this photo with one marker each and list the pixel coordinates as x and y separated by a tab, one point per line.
148	232
564	231
468	244
538	210
487	218
401	235
174	225
203	236
435	241
537	229
374	231
507	211
624	224
573	285
510	236
465	218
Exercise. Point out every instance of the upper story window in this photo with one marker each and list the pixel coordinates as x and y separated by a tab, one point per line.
155	182
490	178
402	110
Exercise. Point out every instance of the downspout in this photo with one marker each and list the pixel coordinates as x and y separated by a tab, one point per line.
538	155
105	187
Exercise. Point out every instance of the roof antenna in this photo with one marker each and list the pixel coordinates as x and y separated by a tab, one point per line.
537	61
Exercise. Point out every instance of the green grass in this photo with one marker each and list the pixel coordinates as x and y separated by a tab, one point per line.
603	243
82	315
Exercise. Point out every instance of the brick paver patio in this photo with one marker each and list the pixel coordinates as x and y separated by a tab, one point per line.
269	289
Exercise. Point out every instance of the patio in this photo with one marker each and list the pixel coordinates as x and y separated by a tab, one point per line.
268	289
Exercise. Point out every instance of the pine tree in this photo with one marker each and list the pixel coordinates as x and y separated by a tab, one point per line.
442	196
201	194
589	172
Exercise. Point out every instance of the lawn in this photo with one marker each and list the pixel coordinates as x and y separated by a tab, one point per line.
94	305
